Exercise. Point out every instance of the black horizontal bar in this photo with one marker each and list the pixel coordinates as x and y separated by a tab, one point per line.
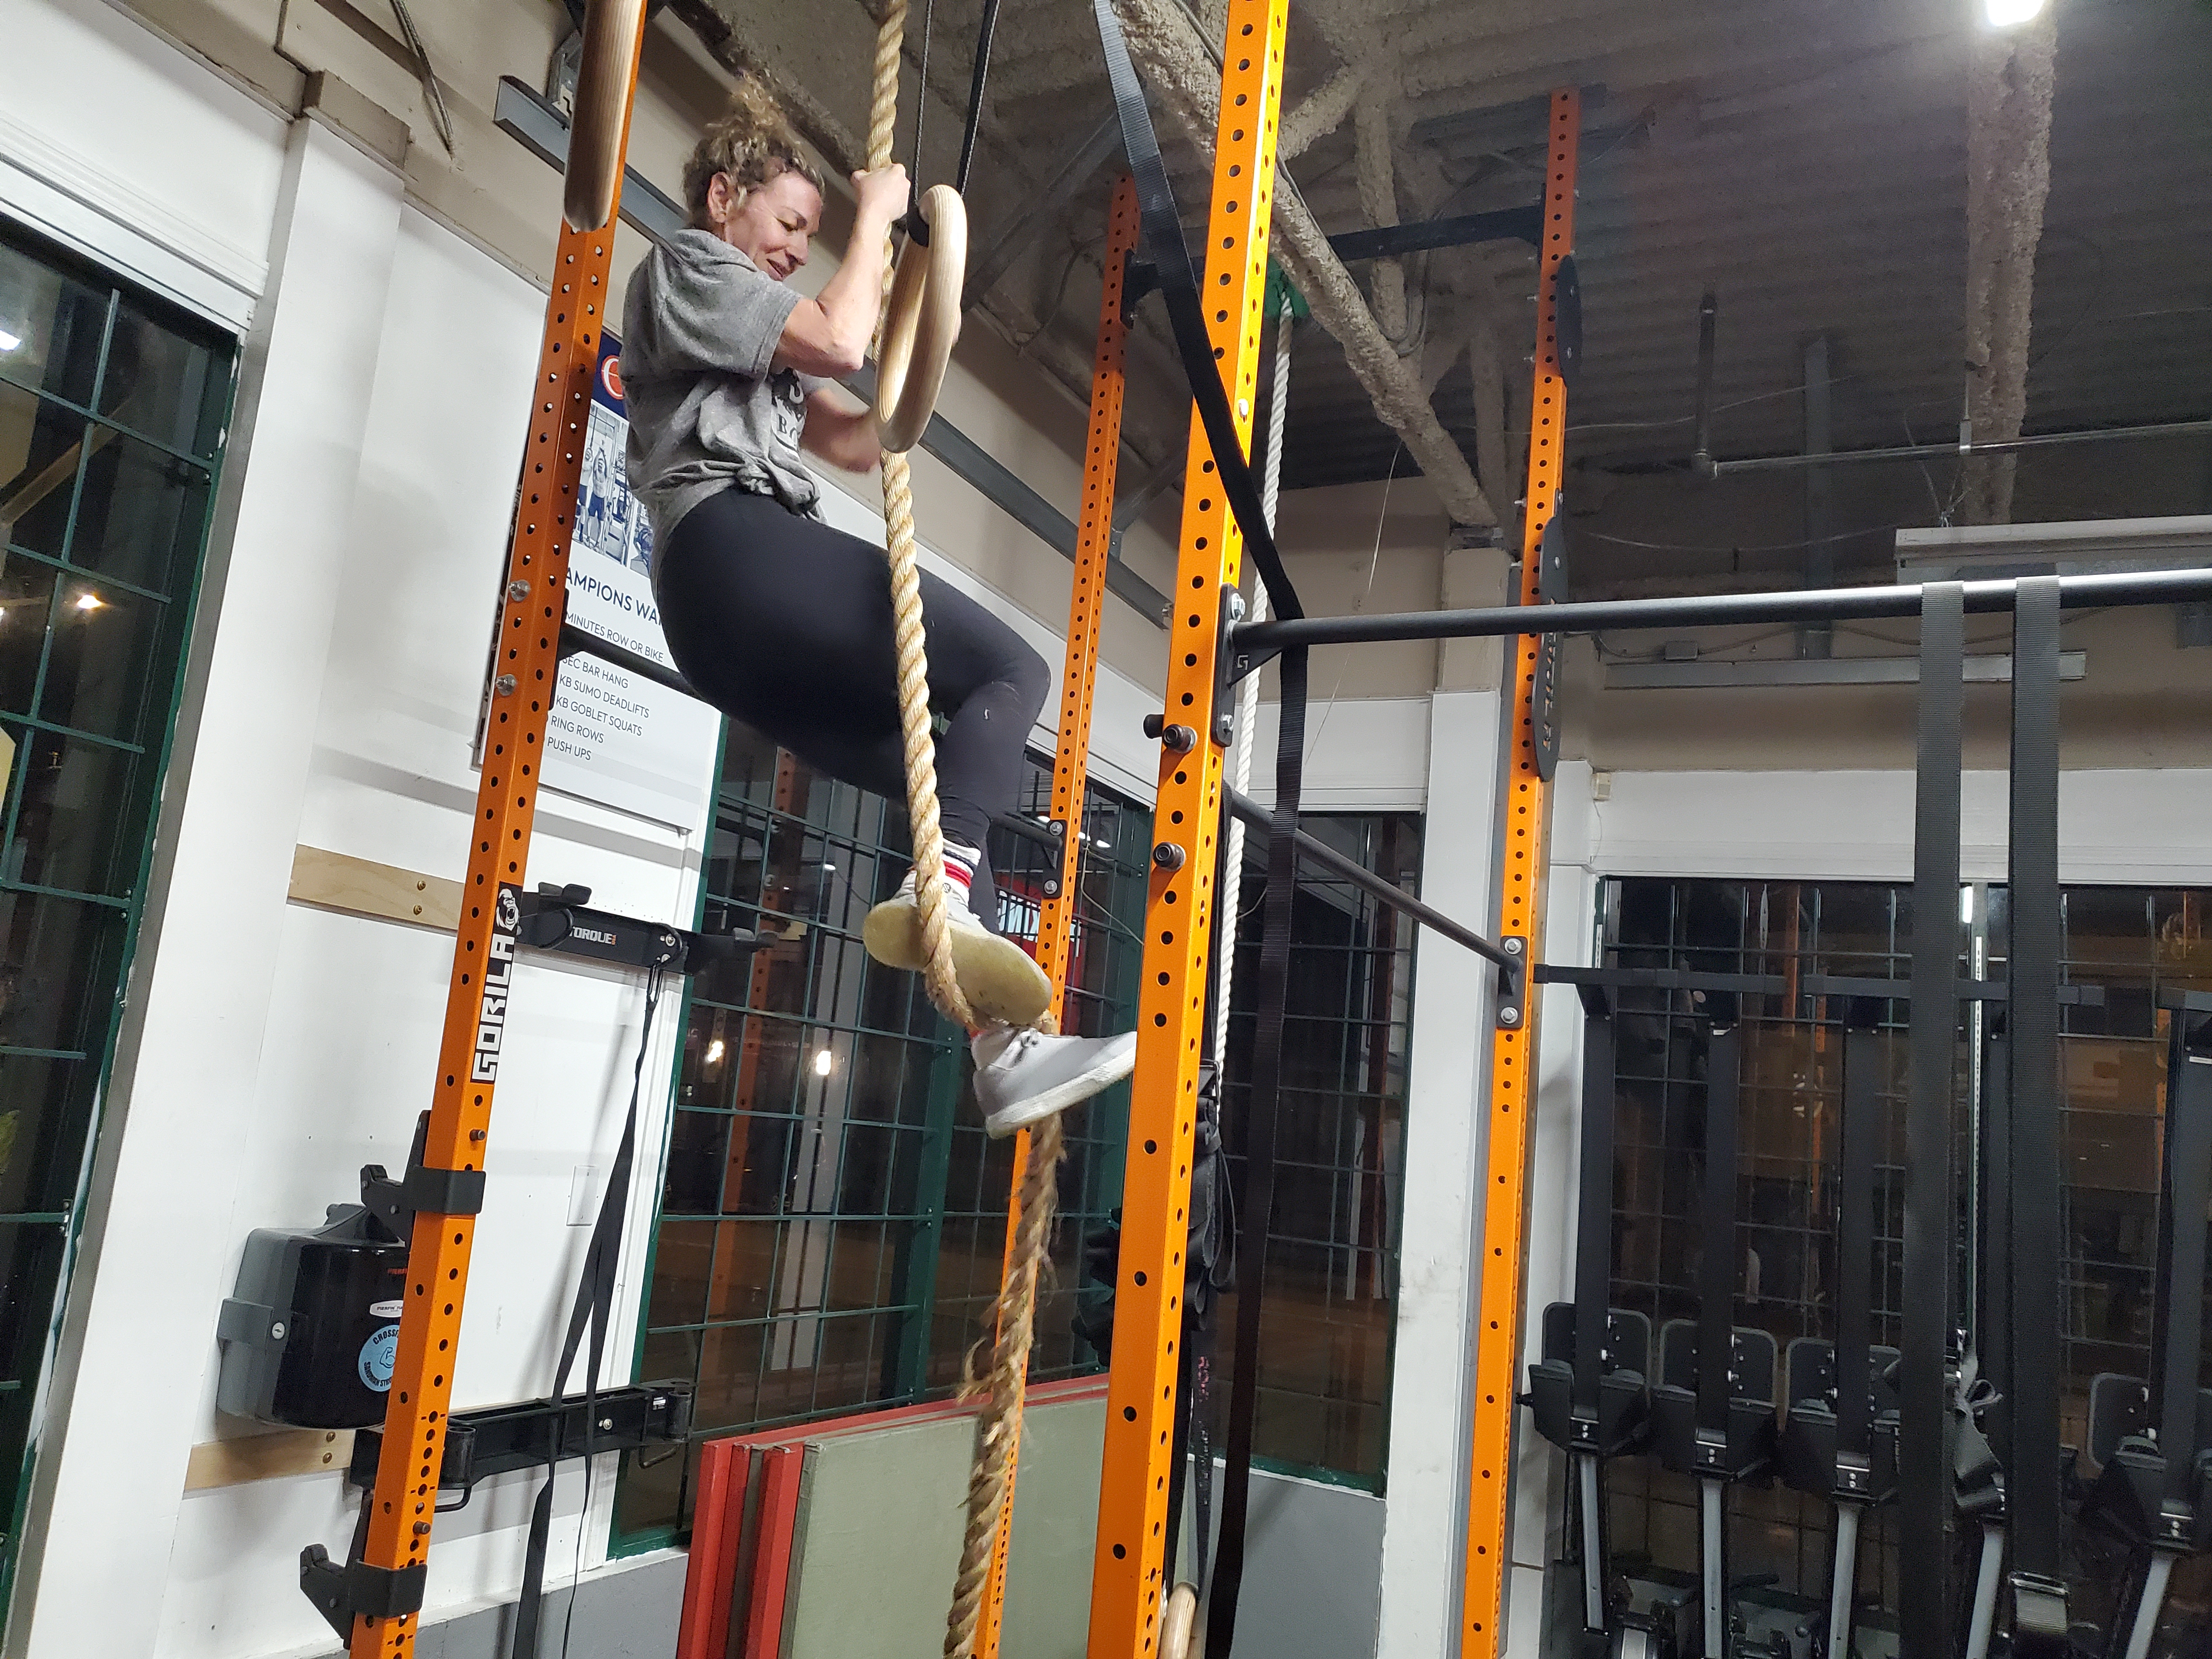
1029	829
1663	979
1969	990
998	483
541	129
1797	460
1320	852
501	1439
1253	643
1524	224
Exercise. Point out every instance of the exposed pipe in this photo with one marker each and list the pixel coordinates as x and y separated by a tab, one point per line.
1708	317
1713	469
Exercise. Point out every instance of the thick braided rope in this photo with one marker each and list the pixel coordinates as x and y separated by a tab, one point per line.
906	610
999	1428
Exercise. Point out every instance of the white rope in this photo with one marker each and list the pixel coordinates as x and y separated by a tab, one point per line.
1248	693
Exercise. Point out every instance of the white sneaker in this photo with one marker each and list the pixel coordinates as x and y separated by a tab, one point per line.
1002	980
1022	1076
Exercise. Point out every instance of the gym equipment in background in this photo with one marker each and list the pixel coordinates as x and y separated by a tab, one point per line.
1839	1441
2153	1436
1712	1412
1589	1392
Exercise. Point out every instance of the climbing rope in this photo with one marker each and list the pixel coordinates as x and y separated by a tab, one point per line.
998	1426
906	610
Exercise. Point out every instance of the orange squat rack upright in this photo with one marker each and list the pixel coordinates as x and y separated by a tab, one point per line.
1094	540
1128	1588
1521	857
396	1548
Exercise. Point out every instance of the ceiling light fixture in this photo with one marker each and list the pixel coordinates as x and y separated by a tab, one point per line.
821	1062
89	602
10	342
2010	13
713	1051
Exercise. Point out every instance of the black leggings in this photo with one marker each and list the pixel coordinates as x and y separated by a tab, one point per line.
786	624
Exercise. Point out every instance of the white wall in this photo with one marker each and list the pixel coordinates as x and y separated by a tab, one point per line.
91	100
1431	1357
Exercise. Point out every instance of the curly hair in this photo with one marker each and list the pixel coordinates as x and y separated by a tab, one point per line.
752	143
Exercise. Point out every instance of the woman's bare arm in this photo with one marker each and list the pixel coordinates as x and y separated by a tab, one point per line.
839	432
829	333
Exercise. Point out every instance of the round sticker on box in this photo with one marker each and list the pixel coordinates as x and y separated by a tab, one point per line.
378	1356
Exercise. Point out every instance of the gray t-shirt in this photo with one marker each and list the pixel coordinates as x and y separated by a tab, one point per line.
700	325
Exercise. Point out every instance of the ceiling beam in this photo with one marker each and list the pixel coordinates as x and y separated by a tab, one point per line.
1181	71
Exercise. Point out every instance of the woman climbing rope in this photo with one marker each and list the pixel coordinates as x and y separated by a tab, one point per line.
785	623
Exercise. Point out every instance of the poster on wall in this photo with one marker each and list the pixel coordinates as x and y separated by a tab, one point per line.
613	737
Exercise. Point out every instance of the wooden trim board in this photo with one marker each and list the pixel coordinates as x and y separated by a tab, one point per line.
362	887
233	1462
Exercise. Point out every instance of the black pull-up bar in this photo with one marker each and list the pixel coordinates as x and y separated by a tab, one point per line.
1320	852
1252	643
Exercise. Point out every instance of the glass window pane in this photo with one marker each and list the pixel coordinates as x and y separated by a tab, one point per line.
108	654
169	387
140	514
41	446
45	1104
56	962
77	826
27	592
50	327
744	1265
683	1257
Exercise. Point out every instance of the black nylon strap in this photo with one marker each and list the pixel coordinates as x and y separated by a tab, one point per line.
1264	1101
974	95
1201	1444
1179	1465
2032	1016
1924	1612
1594	1205
2181	1250
1163	223
1855	1233
1717	1271
1993	1329
594	1309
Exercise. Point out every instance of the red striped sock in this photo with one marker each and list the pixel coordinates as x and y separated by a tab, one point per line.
960	864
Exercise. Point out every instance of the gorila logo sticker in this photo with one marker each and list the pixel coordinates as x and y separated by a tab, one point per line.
377	1357
498	977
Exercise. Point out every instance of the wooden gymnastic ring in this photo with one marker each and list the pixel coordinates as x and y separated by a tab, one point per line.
613	33
922	321
1178	1624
